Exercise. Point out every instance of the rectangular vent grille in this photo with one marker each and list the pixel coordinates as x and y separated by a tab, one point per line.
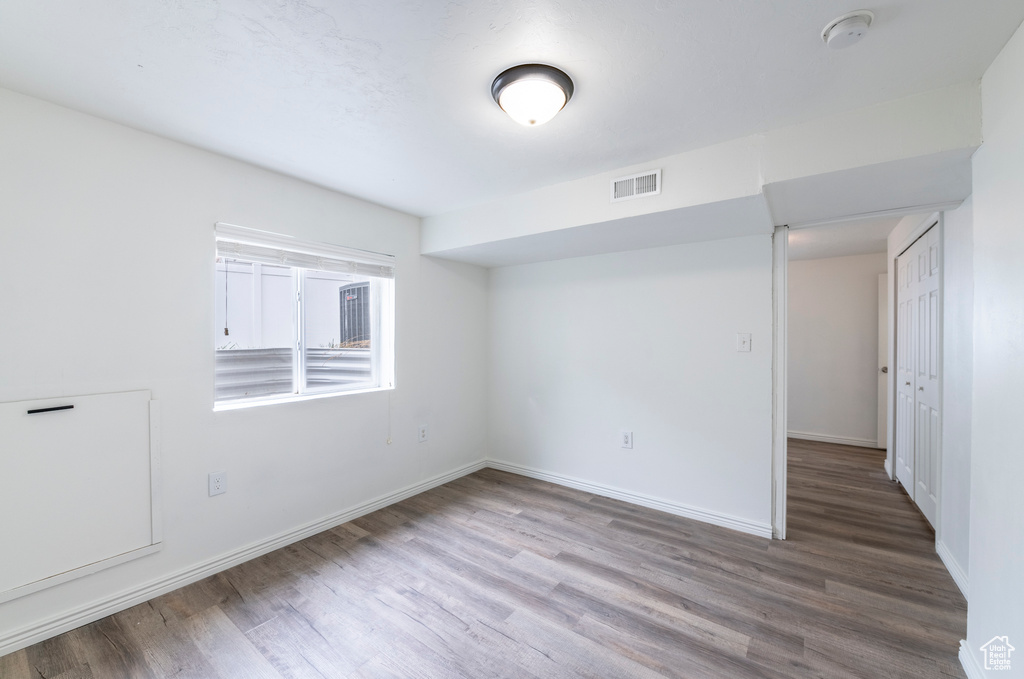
636	186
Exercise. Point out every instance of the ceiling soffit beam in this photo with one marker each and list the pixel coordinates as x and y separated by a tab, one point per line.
935	131
927	183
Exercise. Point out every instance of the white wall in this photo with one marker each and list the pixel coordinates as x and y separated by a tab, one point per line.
953	532
642	341
833	348
107	285
997	425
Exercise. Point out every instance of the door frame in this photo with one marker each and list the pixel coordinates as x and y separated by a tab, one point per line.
883	319
780	297
780	423
935	219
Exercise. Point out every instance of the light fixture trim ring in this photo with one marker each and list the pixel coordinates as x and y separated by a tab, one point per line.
556	76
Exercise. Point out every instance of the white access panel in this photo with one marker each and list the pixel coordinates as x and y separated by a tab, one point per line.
78	487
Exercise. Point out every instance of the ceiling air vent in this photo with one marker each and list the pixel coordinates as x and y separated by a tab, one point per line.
636	186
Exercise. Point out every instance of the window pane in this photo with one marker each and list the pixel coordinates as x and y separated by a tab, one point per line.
338	329
255	341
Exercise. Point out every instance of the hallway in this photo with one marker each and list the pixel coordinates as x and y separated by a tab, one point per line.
906	616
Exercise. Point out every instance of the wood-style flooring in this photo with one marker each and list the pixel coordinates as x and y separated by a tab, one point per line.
497	575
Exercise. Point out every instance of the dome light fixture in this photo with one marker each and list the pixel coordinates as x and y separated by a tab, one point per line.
531	94
846	30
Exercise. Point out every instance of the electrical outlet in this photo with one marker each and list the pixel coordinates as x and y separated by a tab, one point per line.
422	433
626	439
218	483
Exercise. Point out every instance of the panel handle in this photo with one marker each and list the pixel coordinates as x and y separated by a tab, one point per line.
49	410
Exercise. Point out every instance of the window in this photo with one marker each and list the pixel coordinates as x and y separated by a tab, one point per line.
299	320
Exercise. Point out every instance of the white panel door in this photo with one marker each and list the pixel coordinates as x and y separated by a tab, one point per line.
904	434
918	414
926	376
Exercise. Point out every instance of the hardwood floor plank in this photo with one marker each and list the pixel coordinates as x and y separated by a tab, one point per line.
80	672
15	666
572	654
455	637
675	617
53	657
295	648
226	649
110	651
658	652
168	648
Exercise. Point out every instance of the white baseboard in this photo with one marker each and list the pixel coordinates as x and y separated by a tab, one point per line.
888	468
954	568
860	443
969	661
763	530
83	615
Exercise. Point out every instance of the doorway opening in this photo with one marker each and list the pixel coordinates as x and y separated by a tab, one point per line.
925	426
832	339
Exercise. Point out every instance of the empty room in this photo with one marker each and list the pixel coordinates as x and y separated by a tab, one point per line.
511	339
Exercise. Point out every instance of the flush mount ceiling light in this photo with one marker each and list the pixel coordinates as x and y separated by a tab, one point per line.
531	94
845	30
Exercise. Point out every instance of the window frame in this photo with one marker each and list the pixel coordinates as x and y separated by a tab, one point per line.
231	243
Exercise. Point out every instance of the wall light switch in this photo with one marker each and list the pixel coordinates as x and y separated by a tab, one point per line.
743	341
626	438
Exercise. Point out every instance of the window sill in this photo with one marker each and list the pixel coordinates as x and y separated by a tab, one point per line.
241	405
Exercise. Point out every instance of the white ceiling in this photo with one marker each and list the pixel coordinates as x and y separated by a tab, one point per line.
390	101
858	237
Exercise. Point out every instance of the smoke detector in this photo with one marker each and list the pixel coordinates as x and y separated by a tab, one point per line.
845	30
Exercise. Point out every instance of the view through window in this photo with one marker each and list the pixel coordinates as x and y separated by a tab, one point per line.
285	331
